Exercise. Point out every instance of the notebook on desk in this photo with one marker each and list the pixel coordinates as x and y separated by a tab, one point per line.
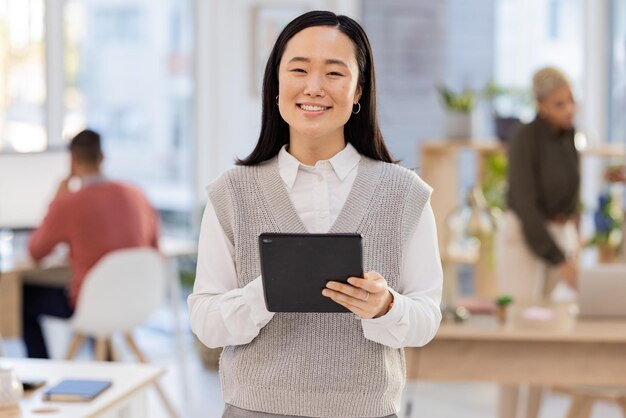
602	291
81	390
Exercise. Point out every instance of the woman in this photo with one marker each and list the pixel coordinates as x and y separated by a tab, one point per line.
538	242
320	165
539	239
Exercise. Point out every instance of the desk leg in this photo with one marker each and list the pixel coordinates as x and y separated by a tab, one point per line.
509	399
175	306
622	405
581	407
175	296
11	305
535	396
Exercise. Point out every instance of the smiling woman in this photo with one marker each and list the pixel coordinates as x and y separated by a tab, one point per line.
320	166
317	92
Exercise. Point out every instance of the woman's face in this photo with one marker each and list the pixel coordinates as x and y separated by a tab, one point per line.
317	78
559	108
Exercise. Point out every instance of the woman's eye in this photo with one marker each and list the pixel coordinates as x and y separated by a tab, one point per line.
297	70
334	73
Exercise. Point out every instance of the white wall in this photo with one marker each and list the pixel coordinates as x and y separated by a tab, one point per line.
418	45
228	112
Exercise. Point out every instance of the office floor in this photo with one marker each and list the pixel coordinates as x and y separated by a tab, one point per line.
195	391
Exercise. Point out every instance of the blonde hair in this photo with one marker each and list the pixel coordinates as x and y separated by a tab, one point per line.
547	80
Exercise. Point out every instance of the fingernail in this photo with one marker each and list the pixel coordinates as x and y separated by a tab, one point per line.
352	280
325	292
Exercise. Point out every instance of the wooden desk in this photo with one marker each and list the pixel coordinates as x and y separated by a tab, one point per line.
14	267
126	397
562	351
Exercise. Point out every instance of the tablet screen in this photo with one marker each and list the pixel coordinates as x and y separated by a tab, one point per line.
296	267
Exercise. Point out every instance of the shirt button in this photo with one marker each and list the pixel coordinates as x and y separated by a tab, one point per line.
320	178
323	215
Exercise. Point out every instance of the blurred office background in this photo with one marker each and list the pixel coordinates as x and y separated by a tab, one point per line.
174	88
173	85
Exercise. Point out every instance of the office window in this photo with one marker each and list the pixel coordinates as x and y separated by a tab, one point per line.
22	76
524	44
128	72
617	112
553	18
119	23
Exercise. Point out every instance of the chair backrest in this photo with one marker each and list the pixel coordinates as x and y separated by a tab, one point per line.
120	292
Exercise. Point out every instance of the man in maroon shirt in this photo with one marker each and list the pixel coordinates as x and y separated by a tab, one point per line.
102	216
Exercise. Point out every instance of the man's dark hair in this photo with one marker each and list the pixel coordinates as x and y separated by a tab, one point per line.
361	130
85	147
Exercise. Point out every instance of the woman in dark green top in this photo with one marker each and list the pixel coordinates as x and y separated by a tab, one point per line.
538	241
539	237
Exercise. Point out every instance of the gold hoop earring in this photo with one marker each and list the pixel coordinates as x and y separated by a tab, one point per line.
277	100
358	110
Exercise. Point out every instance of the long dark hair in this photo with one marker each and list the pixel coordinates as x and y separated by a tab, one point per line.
361	130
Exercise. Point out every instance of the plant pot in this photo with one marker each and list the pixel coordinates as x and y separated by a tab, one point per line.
505	127
458	125
606	254
502	312
10	389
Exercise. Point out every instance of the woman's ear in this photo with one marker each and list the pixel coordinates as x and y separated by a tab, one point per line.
358	93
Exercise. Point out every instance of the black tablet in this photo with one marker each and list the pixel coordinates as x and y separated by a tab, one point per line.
296	267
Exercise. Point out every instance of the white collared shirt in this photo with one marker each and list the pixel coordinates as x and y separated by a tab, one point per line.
223	314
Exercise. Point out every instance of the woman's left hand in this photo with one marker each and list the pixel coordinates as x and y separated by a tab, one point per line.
368	297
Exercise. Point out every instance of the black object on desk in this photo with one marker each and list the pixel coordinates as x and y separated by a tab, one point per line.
296	267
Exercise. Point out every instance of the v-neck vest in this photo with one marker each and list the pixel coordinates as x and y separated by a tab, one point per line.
317	364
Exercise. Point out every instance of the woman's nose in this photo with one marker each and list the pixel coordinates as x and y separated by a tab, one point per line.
314	86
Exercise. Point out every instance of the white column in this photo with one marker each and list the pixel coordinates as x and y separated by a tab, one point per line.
594	115
206	62
55	81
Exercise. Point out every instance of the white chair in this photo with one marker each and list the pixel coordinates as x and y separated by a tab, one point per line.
118	294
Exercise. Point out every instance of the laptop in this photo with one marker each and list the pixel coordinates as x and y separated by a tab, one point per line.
602	291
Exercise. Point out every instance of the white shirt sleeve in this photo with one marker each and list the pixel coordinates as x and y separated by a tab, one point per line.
415	316
221	313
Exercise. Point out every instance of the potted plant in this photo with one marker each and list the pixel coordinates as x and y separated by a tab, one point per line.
607	220
507	104
459	108
502	305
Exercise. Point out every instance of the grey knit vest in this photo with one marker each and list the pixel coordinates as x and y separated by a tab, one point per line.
307	364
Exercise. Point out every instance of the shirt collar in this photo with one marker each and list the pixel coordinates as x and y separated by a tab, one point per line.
90	179
342	163
345	160
287	167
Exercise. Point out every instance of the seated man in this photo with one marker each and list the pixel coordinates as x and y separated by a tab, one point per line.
102	216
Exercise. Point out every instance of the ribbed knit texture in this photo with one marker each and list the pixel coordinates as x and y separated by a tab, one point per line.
312	364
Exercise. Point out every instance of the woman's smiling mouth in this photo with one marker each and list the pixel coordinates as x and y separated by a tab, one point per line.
313	108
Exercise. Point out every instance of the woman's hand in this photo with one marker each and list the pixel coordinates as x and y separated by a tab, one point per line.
568	271
367	297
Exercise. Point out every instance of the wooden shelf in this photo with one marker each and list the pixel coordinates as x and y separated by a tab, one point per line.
439	161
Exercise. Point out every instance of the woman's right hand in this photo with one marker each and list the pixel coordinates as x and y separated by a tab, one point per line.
568	270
